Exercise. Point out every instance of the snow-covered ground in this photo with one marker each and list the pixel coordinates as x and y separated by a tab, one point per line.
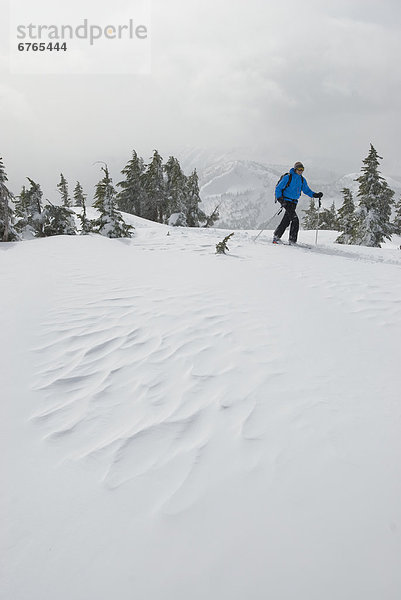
181	425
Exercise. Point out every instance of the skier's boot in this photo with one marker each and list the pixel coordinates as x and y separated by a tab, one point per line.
276	240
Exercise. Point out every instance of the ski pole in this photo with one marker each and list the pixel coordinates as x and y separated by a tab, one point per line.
318	218
268	223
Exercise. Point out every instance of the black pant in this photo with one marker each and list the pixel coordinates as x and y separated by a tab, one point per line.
290	216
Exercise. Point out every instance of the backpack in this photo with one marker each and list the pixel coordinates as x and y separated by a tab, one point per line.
286	185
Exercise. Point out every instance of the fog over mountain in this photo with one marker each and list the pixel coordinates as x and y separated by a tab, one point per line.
244	189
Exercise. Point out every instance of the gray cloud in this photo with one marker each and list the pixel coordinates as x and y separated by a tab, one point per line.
314	81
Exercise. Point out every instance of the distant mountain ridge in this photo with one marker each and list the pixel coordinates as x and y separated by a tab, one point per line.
244	189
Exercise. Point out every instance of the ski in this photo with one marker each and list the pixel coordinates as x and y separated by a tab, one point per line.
297	245
300	245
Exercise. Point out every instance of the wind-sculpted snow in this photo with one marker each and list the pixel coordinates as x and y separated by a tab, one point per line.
139	384
180	424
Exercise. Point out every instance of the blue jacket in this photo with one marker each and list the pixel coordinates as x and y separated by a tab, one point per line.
293	191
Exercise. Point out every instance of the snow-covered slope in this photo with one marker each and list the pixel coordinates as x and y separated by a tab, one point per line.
243	190
178	424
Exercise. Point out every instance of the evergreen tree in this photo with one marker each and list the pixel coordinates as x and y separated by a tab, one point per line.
310	220
175	193
376	198
131	197
346	217
397	218
86	224
211	219
35	208
194	214
110	222
328	218
57	220
8	232
155	204
22	210
79	196
63	191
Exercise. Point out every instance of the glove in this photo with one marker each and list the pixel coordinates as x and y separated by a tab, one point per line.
318	195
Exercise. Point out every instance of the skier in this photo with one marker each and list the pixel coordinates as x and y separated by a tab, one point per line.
288	190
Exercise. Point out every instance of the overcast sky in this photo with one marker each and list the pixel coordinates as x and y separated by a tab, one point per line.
316	81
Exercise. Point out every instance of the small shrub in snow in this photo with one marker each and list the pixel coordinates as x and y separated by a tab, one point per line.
222	247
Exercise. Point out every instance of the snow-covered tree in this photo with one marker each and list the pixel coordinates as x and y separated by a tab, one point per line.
346	217
86	224
310	220
35	208
22	210
194	214
373	224
8	232
213	217
79	196
57	220
131	197
63	191
397	218
155	205
110	222
175	189
328	218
